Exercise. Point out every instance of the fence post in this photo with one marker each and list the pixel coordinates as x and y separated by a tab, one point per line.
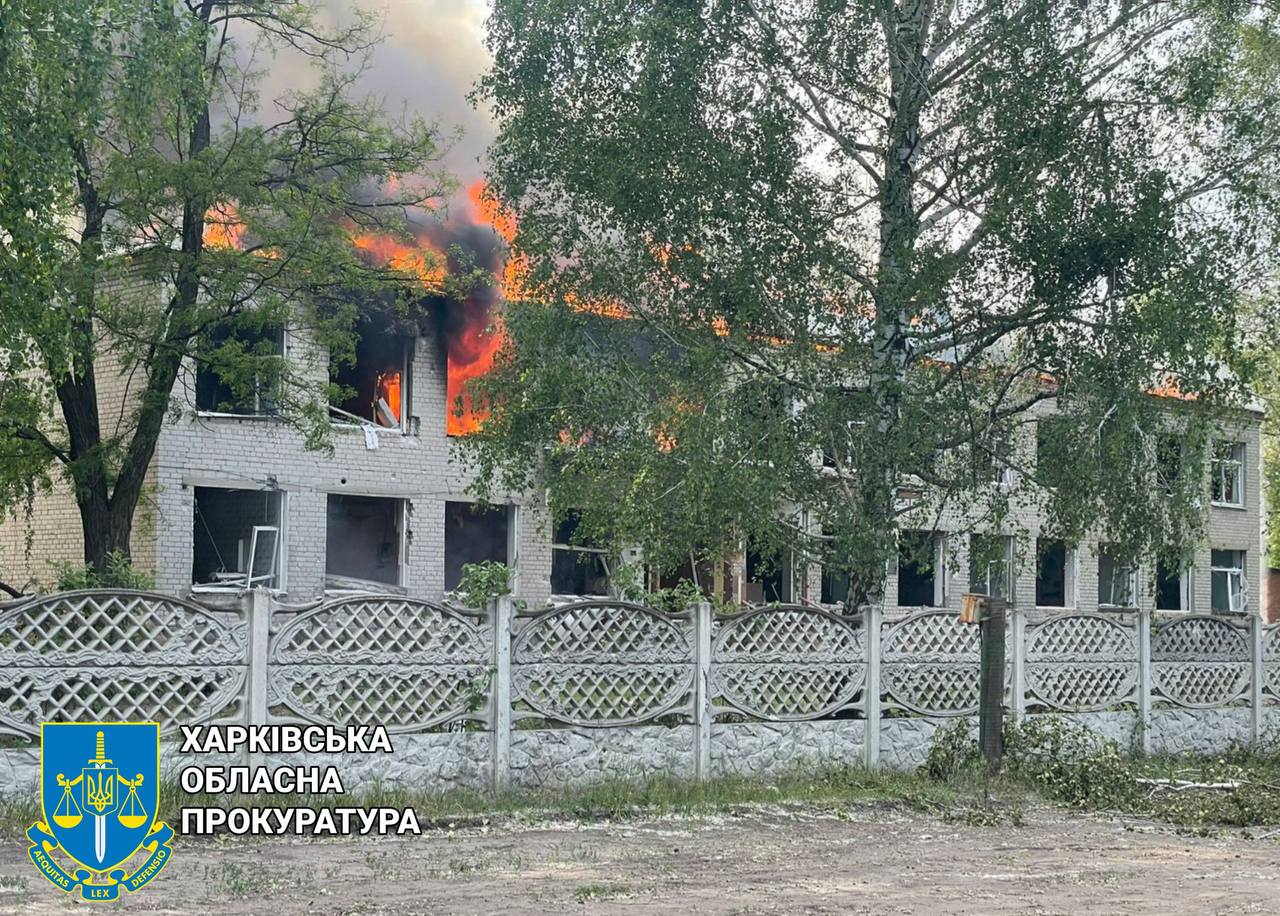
259	643
702	715
1018	668
1255	677
501	612
871	687
991	630
1144	679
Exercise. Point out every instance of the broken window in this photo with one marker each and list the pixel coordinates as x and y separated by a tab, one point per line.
991	565
919	579
364	543
990	456
238	367
474	534
236	541
768	577
841	455
577	567
1171	588
712	579
1117	580
1227	582
1053	573
1227	470
373	388
1169	463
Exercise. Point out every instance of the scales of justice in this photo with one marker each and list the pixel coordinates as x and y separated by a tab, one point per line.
97	783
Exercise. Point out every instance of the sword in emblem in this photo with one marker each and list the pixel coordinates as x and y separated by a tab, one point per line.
105	791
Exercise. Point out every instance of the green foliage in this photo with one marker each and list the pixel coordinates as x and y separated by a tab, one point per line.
731	178
157	209
627	582
1070	763
119	573
954	752
481	583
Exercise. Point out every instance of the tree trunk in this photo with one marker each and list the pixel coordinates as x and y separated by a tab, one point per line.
106	531
896	303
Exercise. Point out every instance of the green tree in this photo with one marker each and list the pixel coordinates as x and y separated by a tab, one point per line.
148	196
880	232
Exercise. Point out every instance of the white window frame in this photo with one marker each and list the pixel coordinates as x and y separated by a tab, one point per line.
1007	560
1186	589
941	574
578	548
258	412
1128	575
1237	581
245	552
340	419
1220	467
402	517
1071	600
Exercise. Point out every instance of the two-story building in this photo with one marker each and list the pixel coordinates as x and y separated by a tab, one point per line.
234	497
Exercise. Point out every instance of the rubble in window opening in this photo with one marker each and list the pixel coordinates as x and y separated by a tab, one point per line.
372	386
236	541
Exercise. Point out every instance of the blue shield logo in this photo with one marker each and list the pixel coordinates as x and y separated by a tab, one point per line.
100	791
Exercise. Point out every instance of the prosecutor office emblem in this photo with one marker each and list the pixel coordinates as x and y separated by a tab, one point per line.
99	794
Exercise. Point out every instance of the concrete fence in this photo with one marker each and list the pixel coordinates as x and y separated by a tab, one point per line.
506	697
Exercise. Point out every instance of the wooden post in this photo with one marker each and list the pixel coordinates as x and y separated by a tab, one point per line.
871	687
1144	680
702	712
1256	675
991	683
501	611
259	646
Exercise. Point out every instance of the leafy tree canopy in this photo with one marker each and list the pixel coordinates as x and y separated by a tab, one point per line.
887	233
149	195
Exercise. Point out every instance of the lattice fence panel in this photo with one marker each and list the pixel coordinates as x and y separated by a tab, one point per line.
119	655
929	664
602	663
408	665
1081	662
1271	660
787	663
1199	661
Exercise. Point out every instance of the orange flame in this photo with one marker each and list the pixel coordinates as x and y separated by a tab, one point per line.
423	262
223	227
472	350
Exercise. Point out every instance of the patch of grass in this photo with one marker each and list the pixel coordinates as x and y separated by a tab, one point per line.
827	788
1065	762
1048	757
586	892
256	879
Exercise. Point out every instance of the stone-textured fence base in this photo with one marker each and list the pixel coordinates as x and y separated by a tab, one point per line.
564	758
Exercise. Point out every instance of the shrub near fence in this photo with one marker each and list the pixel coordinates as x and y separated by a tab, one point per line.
496	682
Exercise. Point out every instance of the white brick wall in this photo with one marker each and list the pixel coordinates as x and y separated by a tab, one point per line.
255	452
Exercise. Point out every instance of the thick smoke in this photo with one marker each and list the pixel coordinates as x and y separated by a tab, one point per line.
433	55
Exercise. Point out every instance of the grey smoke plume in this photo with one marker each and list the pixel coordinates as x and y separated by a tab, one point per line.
432	56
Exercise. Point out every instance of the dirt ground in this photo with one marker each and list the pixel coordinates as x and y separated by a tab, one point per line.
767	860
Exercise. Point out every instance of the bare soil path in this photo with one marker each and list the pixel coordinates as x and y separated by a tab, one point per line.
786	860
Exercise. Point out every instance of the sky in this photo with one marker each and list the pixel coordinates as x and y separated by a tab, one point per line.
433	54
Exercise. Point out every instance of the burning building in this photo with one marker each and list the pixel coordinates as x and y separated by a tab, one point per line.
237	499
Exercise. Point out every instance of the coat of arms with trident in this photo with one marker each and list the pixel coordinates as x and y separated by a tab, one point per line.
122	808
97	781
